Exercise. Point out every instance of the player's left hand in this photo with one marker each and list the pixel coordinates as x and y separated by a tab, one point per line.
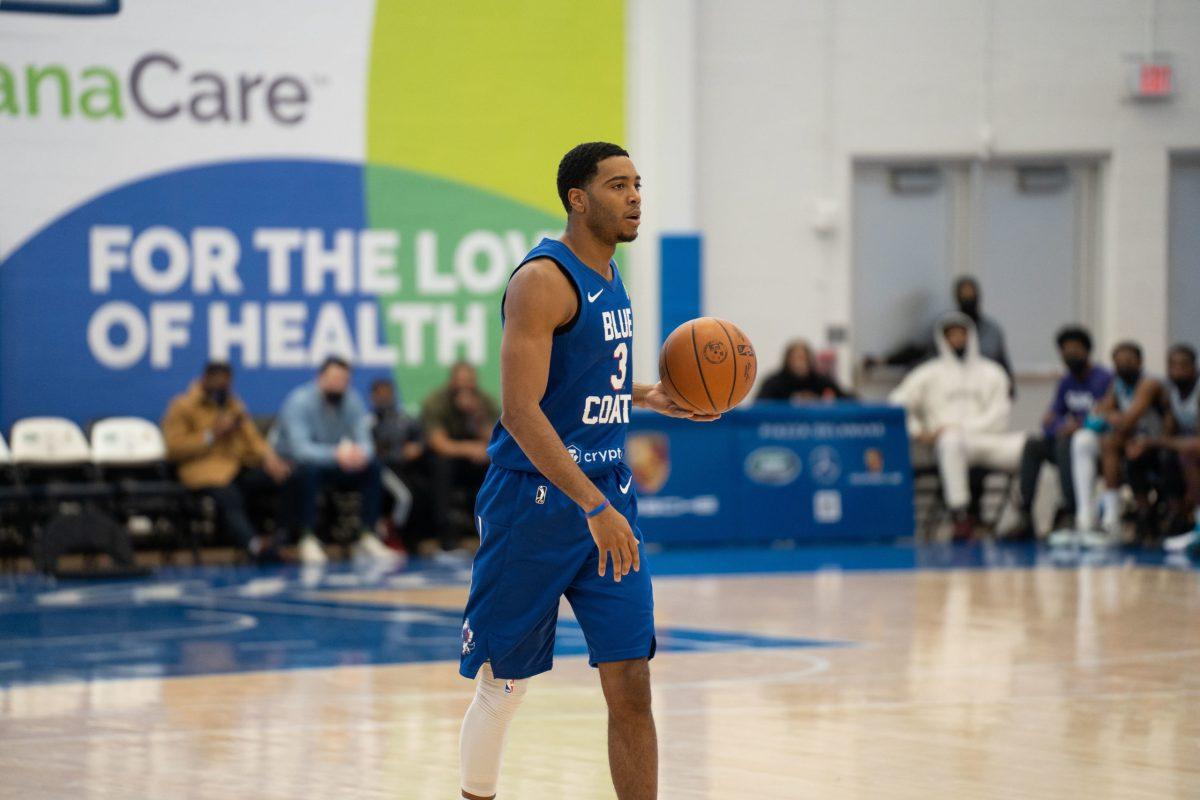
658	400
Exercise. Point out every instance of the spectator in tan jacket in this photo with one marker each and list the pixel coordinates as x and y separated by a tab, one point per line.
220	453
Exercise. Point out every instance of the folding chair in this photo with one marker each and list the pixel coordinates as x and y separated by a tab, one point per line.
68	503
131	455
14	504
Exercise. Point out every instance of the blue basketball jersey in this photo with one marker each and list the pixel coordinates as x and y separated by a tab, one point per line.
589	389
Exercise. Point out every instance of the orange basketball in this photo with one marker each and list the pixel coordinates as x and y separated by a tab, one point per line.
707	365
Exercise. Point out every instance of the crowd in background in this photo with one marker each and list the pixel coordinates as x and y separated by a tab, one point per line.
414	479
1122	426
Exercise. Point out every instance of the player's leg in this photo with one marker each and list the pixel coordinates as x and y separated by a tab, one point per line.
1085	450
484	729
617	620
632	739
528	554
953	469
1112	458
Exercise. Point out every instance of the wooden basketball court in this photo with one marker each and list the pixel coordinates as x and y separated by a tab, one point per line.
1030	680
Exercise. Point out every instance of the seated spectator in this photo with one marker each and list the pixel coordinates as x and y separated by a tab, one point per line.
1083	385
1131	410
968	299
324	428
458	421
798	379
959	404
219	452
399	446
1181	444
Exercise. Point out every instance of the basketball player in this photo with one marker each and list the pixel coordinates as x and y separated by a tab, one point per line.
557	513
1132	409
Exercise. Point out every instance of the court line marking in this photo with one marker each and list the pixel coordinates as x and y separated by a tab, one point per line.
231	623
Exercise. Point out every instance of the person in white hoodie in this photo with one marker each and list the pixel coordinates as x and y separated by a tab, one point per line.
959	404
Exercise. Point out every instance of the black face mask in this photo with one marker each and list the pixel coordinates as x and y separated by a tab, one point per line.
1129	376
1185	387
1076	366
334	398
970	307
218	397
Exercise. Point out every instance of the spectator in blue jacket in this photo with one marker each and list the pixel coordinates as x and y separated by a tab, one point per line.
1078	391
325	429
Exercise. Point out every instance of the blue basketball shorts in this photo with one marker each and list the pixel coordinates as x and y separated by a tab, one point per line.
535	547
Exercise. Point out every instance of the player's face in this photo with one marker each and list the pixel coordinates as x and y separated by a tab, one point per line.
1180	369
956	337
614	201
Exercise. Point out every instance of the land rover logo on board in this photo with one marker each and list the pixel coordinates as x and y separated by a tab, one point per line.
773	466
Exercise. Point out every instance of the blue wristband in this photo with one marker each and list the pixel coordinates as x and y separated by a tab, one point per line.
597	509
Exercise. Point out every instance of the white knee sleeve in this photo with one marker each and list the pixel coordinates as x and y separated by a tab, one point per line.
1085	449
481	743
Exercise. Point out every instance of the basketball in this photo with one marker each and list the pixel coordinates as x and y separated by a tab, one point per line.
707	365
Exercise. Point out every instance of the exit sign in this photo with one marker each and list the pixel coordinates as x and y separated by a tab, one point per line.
1151	78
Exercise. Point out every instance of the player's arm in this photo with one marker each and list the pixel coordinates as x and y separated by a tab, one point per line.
1147	395
652	396
539	300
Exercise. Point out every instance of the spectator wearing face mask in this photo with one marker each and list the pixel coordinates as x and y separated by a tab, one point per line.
1180	449
220	453
1131	412
990	336
325	429
1083	385
958	404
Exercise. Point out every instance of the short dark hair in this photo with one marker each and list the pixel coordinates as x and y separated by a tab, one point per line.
1183	349
965	280
580	165
1074	333
217	368
1128	346
380	383
333	361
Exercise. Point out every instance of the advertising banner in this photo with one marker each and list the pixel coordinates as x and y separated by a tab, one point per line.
773	472
272	184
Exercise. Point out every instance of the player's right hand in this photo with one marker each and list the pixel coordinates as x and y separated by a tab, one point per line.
613	537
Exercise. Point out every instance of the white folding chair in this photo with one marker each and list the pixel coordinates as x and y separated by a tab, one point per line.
49	441
127	441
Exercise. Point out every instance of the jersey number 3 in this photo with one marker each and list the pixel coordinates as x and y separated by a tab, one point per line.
621	354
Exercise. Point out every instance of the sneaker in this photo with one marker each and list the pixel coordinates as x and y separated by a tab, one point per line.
1193	550
369	548
1177	544
1097	539
1023	531
1064	537
310	550
962	528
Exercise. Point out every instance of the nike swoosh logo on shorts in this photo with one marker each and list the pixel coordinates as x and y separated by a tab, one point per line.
592	297
625	488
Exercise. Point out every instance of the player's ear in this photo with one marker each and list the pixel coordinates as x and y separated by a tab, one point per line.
578	200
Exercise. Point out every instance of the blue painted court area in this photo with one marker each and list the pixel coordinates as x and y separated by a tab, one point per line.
237	619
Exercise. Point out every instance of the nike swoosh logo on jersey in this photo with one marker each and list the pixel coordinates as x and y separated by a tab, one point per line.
592	297
625	488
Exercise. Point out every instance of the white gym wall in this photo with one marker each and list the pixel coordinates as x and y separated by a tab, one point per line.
785	97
